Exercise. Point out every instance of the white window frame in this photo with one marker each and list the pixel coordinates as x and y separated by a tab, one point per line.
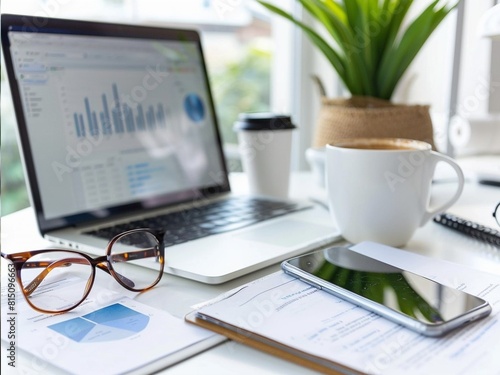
292	89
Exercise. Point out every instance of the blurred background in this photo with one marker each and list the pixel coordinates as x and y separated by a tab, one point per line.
260	62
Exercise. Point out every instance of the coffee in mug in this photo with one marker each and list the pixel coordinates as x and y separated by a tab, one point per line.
379	188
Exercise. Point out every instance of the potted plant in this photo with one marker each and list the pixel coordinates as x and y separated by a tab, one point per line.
370	48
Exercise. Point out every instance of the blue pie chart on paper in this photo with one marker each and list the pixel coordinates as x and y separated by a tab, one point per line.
193	105
110	323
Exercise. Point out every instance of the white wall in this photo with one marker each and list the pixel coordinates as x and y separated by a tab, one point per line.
474	91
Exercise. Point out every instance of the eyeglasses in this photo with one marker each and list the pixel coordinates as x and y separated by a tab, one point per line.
496	213
57	281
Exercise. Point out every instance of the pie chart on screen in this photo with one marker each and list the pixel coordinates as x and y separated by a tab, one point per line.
110	323
193	105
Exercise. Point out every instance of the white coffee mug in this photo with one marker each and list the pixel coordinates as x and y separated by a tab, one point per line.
379	188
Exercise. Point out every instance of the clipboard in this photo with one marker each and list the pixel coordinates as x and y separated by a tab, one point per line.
270	346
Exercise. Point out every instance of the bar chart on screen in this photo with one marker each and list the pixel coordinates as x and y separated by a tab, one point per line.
117	117
115	120
128	138
105	109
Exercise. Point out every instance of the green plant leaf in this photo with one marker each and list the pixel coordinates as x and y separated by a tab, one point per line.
395	13
361	43
357	75
400	56
323	17
354	13
372	30
380	24
333	56
336	10
370	49
392	62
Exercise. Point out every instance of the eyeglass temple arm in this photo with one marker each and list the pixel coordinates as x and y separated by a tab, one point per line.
134	255
49	266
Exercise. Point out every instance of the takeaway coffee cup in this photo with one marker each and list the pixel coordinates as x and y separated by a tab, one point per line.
265	142
379	189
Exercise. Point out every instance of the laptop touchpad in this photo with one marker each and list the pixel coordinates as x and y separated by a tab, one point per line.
286	233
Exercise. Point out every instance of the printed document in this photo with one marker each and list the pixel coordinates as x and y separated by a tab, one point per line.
284	309
108	333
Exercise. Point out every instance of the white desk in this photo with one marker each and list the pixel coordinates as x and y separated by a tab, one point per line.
177	295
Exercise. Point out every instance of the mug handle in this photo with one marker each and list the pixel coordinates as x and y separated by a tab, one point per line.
436	158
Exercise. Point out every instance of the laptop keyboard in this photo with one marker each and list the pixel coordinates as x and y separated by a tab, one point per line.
214	218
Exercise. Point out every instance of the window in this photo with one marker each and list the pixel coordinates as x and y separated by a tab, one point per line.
13	187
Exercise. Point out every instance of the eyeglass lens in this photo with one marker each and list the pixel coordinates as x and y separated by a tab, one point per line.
59	280
129	251
56	280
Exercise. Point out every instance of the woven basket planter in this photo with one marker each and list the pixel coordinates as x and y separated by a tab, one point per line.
368	117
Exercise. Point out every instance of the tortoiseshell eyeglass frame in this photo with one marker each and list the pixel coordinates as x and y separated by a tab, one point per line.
102	262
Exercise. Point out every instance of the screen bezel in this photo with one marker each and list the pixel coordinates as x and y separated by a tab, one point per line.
31	24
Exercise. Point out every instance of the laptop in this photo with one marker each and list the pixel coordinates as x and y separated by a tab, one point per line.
118	130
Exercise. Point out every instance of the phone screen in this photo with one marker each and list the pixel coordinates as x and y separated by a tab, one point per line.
387	290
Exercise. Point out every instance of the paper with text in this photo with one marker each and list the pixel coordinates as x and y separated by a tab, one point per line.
108	334
289	311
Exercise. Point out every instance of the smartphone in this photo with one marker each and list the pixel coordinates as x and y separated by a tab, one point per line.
411	300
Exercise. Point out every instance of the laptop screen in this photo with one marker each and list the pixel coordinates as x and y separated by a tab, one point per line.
114	119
